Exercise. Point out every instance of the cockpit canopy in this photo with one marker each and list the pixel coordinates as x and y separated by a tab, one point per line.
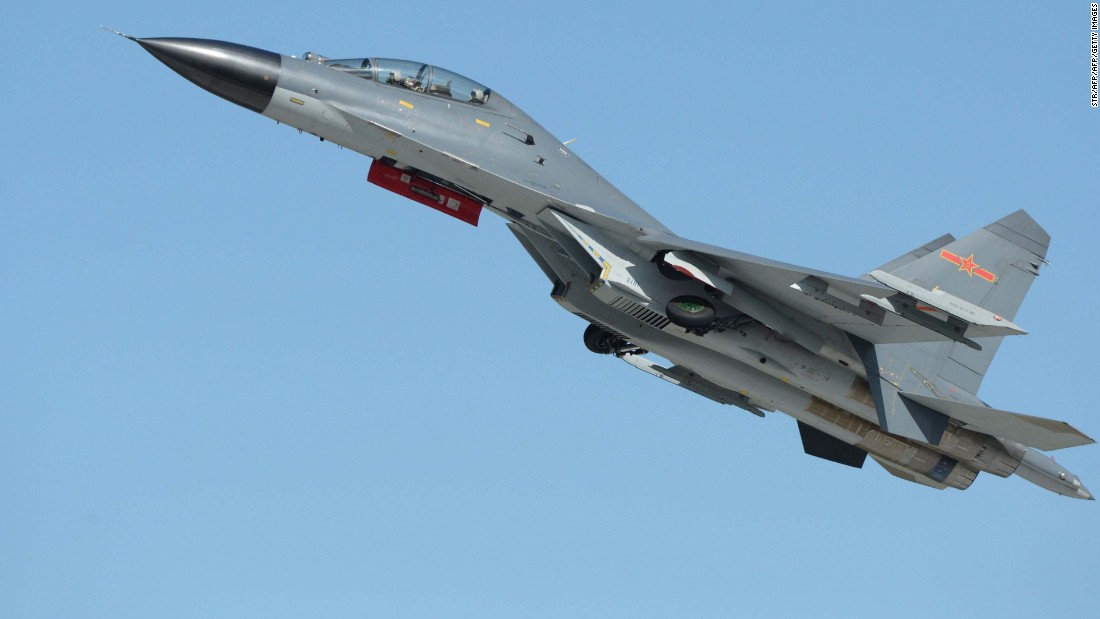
415	76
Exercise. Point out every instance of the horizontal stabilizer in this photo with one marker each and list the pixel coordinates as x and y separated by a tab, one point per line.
1038	432
827	447
908	475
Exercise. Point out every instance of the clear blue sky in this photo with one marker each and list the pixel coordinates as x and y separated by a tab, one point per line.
236	380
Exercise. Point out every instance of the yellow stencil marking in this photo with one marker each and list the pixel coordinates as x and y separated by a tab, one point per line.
482	122
391	152
406	104
298	101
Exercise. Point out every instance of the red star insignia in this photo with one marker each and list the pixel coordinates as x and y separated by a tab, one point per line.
968	265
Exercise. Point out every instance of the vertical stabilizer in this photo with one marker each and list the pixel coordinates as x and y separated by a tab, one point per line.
992	268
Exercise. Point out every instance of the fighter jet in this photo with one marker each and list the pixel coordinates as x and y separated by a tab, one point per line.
887	364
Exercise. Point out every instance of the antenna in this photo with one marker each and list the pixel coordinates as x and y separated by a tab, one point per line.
123	35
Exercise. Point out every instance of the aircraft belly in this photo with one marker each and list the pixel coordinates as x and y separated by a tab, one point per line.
769	372
847	413
762	349
763	390
769	392
638	292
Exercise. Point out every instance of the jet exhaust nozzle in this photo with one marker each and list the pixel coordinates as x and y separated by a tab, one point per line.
244	75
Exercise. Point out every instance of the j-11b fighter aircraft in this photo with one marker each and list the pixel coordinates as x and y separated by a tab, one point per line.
887	364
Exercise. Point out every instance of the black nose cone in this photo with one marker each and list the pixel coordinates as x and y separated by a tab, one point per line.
241	74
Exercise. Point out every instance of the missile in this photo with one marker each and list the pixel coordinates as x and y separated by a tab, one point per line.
1045	472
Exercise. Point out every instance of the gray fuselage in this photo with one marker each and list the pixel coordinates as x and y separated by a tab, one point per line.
596	246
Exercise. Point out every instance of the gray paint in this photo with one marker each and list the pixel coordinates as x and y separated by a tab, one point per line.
855	361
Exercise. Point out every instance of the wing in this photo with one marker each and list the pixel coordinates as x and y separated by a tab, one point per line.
882	310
